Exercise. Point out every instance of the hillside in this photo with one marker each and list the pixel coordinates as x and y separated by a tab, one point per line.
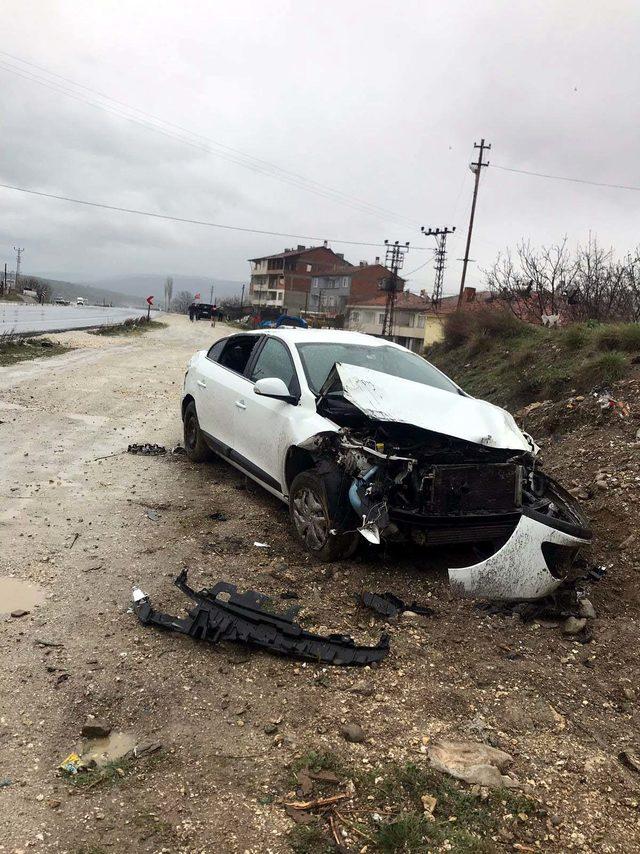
141	285
95	295
492	354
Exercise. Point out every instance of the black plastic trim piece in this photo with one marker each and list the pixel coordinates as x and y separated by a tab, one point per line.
221	613
559	524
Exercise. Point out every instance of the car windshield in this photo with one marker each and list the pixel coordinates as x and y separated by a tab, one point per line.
319	358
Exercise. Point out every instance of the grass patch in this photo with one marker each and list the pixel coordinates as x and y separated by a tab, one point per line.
111	773
512	363
131	326
12	296
387	812
622	336
19	348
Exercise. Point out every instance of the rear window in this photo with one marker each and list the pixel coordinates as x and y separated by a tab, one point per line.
318	359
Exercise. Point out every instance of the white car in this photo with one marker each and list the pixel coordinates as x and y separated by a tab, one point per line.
363	438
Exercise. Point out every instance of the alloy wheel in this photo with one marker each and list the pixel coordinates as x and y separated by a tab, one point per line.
310	518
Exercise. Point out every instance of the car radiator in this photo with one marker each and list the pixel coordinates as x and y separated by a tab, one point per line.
461	490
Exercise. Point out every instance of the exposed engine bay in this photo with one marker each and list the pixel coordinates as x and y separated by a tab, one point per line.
411	483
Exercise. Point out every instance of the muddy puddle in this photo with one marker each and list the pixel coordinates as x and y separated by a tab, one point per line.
18	595
102	751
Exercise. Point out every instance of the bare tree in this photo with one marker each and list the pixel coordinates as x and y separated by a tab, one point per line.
535	283
590	284
168	292
182	301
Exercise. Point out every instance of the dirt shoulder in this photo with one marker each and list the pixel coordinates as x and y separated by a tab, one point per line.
234	724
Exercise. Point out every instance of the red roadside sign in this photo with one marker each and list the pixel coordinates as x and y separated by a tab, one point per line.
150	300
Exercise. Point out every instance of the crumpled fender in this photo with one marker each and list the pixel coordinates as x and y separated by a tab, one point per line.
518	570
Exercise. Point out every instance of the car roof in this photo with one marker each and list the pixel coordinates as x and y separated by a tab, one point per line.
325	336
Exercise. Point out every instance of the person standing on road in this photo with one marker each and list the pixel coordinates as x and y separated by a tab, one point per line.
192	312
214	314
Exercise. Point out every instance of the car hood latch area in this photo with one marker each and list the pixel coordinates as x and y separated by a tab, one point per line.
223	614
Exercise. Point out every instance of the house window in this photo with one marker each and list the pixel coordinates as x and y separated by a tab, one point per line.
421	320
355	316
381	318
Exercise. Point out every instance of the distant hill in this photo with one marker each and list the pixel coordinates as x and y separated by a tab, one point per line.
94	295
142	285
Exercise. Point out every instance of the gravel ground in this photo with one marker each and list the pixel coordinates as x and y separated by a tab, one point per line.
231	723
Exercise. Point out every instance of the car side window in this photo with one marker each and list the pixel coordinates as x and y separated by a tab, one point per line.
237	352
274	360
218	347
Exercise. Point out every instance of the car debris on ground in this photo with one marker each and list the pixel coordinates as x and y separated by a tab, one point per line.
147	449
389	606
223	614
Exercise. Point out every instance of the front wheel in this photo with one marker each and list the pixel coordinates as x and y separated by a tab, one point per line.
194	443
316	511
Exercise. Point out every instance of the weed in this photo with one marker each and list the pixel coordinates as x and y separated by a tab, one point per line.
576	337
603	369
623	336
310	839
112	773
18	348
131	326
315	761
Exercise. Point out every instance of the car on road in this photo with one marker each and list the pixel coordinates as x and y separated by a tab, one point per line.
366	440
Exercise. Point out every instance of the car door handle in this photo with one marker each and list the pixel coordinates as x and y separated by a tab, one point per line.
202	384
241	404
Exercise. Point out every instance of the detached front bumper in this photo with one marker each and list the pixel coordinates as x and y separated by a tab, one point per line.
528	564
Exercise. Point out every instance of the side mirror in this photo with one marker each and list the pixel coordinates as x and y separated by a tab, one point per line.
274	387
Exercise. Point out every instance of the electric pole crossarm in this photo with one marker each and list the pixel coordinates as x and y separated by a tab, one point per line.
476	168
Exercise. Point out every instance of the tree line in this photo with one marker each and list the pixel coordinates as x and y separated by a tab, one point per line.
588	283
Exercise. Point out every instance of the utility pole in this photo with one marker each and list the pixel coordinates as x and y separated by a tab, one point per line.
211	297
439	259
476	168
394	259
18	252
242	298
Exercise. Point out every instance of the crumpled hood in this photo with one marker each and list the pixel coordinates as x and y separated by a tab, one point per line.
383	397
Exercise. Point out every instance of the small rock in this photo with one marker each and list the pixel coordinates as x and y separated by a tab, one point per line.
269	729
364	689
629	694
628	541
19	612
93	728
573	625
414	619
353	732
587	610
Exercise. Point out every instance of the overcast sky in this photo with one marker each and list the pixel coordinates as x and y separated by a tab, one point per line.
380	101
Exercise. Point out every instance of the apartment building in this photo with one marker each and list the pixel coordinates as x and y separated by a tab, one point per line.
367	315
332	291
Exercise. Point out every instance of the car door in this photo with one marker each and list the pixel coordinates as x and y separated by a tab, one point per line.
220	383
264	425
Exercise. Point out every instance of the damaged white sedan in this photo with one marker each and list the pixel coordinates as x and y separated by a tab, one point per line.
364	439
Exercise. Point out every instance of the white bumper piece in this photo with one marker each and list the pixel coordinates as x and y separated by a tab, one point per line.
518	570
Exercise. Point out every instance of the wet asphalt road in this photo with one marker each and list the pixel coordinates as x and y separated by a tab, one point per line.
28	319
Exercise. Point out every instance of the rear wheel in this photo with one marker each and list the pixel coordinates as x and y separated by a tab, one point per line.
194	443
317	508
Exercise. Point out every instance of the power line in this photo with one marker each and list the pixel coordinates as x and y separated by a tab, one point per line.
565	178
155	215
226	152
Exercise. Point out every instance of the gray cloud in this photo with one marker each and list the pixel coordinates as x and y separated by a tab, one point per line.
382	101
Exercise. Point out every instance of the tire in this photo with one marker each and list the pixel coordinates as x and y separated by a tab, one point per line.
318	503
194	443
